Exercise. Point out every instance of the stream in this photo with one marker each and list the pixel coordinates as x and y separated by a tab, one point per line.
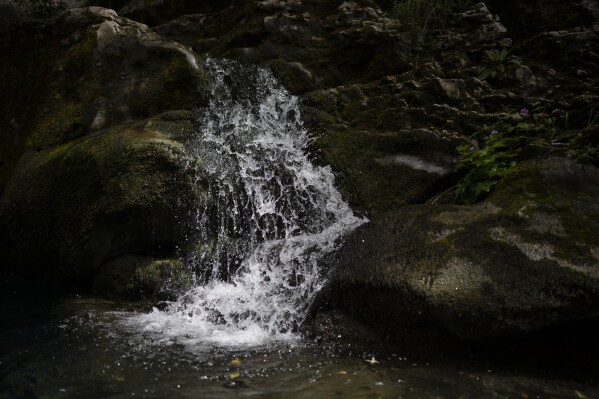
56	344
271	220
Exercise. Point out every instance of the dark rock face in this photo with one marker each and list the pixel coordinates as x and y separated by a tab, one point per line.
387	118
525	19
524	259
92	121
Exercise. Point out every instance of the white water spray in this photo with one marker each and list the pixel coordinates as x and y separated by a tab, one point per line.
272	219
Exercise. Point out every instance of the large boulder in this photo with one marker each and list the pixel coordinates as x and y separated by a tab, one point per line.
69	208
526	258
94	114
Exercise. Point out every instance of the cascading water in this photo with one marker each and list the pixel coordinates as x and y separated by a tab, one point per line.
271	217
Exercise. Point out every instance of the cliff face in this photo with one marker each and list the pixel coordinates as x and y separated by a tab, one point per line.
95	109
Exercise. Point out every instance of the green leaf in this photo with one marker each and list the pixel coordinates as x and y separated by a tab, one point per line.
484	74
515	61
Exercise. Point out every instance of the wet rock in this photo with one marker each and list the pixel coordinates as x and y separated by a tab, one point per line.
577	47
499	268
334	326
69	208
406	154
474	29
451	89
131	277
153	13
386	118
95	164
296	78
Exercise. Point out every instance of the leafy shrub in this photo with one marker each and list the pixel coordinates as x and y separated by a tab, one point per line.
496	62
585	152
497	154
535	134
485	167
584	147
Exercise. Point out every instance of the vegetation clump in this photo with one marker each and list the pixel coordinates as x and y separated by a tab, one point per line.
495	63
499	150
584	146
485	166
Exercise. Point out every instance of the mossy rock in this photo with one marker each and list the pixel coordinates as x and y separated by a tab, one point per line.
69	208
84	72
132	277
525	259
383	161
94	113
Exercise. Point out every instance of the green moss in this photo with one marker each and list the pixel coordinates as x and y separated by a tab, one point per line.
63	124
56	115
368	184
125	186
160	279
294	80
138	278
179	88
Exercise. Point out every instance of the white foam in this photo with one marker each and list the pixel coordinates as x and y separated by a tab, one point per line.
275	215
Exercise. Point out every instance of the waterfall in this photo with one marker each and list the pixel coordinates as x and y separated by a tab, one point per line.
270	219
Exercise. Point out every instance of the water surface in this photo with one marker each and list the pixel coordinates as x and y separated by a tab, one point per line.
57	346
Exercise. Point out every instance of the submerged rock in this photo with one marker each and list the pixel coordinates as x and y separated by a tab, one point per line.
526	258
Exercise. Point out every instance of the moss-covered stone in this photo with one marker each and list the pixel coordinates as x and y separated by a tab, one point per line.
94	113
84	72
70	207
366	135
132	277
525	259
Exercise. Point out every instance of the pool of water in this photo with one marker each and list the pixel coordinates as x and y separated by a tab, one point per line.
59	345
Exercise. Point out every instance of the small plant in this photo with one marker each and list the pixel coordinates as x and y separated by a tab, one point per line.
585	148
500	146
585	153
539	126
485	167
496	62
